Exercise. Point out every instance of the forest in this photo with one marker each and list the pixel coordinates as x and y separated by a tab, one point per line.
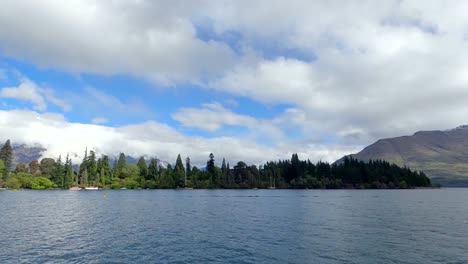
49	173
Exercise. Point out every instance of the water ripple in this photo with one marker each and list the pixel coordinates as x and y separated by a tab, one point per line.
235	226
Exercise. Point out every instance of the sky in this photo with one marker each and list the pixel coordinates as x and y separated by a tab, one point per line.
252	81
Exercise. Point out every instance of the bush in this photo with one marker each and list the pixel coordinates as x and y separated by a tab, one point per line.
41	183
13	183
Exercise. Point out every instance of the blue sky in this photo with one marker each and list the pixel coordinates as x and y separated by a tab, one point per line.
253	82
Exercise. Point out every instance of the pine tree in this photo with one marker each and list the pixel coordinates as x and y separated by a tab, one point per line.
188	168
92	167
6	155
143	167
59	173
121	165
105	171
211	170
84	170
179	172
224	173
69	176
153	170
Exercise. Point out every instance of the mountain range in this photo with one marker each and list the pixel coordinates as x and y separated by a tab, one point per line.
442	155
23	153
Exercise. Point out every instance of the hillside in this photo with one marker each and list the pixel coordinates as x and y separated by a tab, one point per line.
442	155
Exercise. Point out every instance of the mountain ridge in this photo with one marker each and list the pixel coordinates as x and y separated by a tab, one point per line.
442	155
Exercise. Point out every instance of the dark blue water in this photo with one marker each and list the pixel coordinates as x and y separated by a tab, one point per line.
226	226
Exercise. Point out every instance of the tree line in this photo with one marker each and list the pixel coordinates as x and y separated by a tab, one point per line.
291	173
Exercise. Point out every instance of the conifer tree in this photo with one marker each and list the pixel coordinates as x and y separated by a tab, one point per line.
179	172
6	155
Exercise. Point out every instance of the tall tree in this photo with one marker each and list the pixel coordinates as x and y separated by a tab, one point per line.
34	168
188	168
153	170
59	173
6	154
84	170
69	175
47	167
21	168
121	165
92	167
211	170
224	173
179	172
105	171
143	167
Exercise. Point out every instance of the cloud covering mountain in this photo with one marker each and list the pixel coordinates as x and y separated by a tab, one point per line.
266	78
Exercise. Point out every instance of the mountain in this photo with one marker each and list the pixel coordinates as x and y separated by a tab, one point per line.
23	153
442	155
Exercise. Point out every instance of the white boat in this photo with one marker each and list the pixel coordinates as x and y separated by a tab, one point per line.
91	188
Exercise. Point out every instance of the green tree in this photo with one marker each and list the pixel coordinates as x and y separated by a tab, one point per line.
6	155
121	166
2	169
83	176
92	167
153	170
69	179
188	168
21	167
211	170
143	167
179	172
47	167
167	179
59	173
13	183
223	173
105	171
34	168
41	183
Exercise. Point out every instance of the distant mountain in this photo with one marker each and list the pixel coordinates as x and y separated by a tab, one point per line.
23	153
442	155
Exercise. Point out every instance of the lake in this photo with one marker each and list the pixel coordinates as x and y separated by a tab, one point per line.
234	226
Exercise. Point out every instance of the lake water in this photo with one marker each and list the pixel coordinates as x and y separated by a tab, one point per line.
234	226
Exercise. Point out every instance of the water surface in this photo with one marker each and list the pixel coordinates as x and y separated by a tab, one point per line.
234	226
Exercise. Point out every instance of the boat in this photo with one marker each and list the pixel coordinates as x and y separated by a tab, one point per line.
91	188
75	188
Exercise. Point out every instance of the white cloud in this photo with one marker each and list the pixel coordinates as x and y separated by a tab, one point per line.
214	116
379	68
211	117
99	120
150	39
29	91
150	139
26	91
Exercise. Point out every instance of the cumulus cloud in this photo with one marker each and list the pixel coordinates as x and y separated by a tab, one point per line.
150	39
374	68
148	139
211	117
214	116
29	91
